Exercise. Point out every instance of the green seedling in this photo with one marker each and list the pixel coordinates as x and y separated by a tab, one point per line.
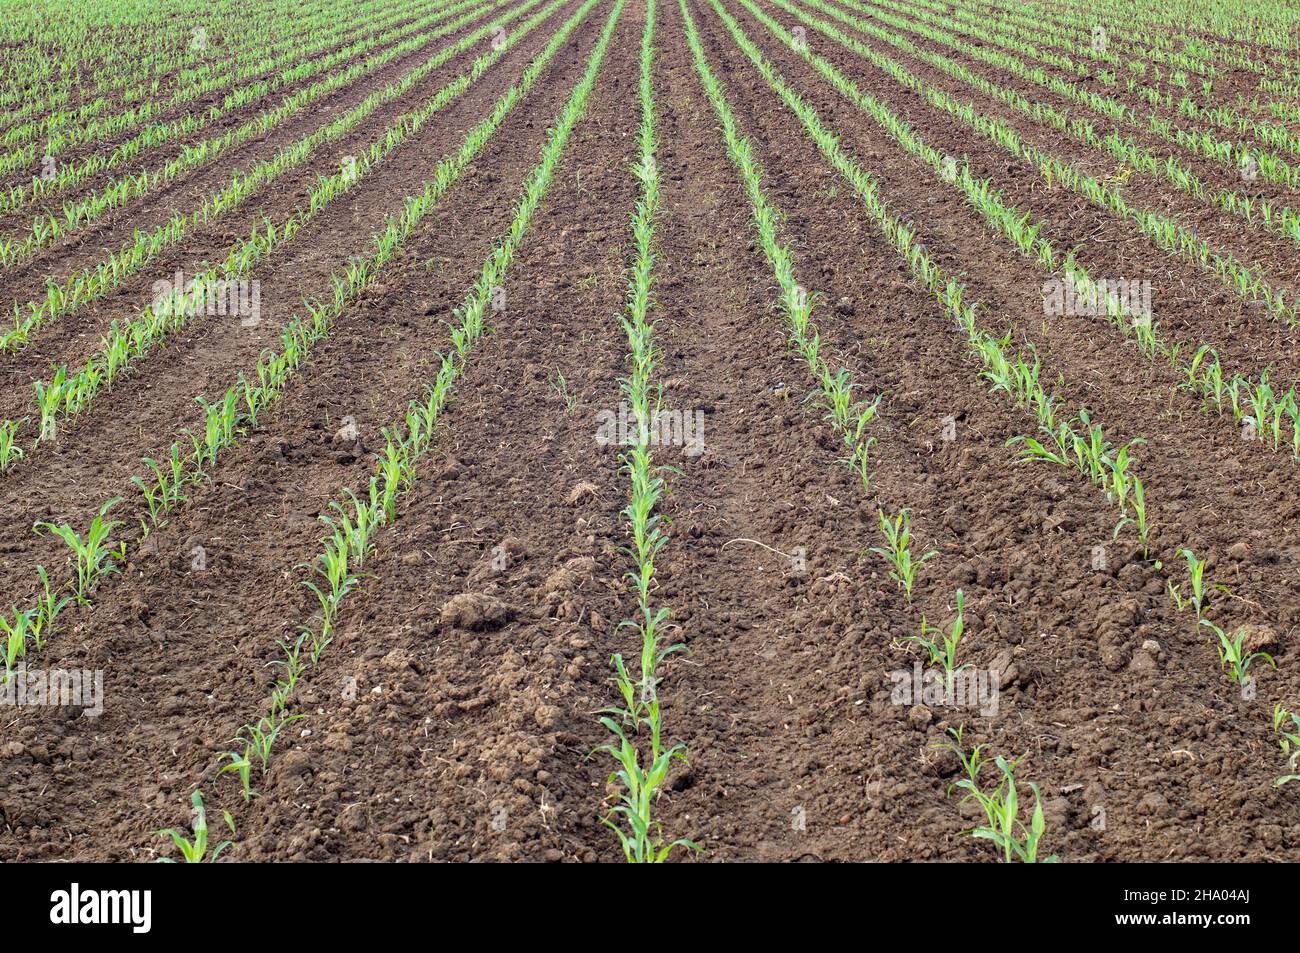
195	851
92	557
941	647
1232	656
260	738
1196	570
1139	517
242	767
898	550
1288	738
1001	807
561	387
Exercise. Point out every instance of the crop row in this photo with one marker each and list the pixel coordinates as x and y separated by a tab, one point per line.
1019	380
352	528
68	394
190	459
56	143
1257	405
64	298
74	216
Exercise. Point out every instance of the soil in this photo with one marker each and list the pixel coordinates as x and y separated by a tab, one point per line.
455	715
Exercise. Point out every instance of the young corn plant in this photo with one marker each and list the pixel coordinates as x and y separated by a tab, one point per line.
332	565
855	440
242	766
49	603
196	851
1288	739
15	632
898	550
92	557
1001	806
50	398
259	738
1196	572
561	387
1007	831
1139	518
164	493
942	647
1233	657
10	451
293	663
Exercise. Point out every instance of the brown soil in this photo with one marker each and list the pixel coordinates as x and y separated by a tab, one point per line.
454	717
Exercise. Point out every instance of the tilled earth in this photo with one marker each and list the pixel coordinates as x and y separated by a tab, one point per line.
455	716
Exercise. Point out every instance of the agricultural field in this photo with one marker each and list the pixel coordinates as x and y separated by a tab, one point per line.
650	430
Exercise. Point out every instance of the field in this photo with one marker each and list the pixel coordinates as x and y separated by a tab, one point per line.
689	430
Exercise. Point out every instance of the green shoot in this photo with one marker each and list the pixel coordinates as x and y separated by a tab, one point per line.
195	851
898	550
1232	657
942	648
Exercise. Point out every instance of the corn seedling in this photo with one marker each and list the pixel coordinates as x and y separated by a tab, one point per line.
1196	571
898	550
196	851
1176	594
1139	517
561	387
942	647
242	767
10	451
15	631
92	557
1233	658
260	738
1001	806
1288	739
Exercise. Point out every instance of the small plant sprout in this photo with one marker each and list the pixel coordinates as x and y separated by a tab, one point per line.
644	843
1176	594
15	631
260	738
196	851
856	442
1232	656
561	387
92	556
242	767
1139	517
1196	570
1288	738
1001	806
898	550
10	452
971	763
942	648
